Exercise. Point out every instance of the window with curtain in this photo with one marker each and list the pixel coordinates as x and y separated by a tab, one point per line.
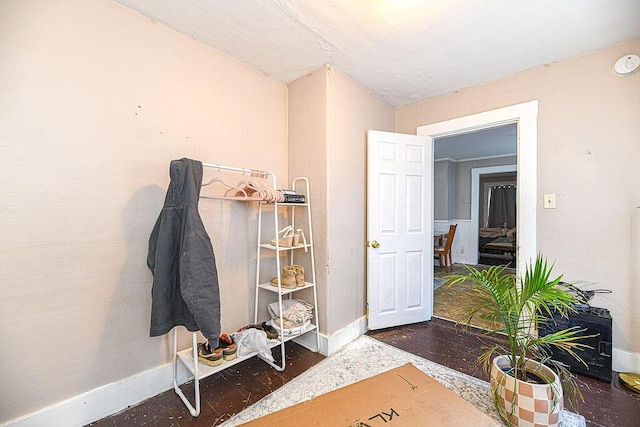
502	206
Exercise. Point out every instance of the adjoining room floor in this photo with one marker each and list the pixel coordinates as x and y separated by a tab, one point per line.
232	390
447	299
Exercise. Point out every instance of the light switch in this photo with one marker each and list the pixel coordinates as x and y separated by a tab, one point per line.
549	201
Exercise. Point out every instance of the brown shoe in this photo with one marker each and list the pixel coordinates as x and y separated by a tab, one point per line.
208	356
229	350
287	278
299	275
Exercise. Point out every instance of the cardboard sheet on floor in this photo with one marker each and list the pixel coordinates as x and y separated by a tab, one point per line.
404	396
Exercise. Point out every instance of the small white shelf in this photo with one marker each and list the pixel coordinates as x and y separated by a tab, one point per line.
204	370
284	291
284	248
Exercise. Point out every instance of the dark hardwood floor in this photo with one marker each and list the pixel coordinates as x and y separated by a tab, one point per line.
441	341
232	390
222	395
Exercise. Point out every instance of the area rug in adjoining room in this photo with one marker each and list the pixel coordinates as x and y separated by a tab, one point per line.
364	358
437	282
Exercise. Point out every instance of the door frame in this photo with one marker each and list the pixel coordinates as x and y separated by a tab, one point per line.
475	201
526	117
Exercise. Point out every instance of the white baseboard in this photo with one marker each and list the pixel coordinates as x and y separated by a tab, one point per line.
347	334
626	361
112	398
102	401
117	396
333	343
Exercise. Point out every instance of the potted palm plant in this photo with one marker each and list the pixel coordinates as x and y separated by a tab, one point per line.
527	385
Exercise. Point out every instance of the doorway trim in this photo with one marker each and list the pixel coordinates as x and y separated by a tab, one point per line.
475	201
526	116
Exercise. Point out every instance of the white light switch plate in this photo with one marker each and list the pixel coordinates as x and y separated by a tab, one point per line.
549	201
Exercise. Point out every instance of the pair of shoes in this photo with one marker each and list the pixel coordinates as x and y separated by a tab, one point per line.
287	278
271	332
208	356
292	277
229	350
287	237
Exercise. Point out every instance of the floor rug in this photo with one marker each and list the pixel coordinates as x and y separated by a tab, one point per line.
364	358
437	282
451	302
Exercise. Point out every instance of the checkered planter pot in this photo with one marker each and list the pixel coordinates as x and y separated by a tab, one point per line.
524	404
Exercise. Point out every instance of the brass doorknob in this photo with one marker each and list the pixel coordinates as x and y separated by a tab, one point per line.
375	244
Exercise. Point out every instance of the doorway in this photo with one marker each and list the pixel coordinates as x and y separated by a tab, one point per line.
462	162
469	169
524	117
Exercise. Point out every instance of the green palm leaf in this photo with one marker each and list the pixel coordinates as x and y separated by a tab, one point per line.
517	305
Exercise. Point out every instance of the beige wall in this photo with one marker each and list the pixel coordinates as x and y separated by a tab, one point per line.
352	110
329	115
588	155
95	101
308	158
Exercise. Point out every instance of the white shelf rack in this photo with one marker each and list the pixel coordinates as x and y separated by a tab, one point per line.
297	184
189	357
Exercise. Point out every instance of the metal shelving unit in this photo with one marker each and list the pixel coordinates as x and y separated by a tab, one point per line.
189	357
291	252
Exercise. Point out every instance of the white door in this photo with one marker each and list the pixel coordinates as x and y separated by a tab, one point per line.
399	229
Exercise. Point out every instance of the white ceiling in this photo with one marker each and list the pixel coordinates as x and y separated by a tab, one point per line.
404	51
497	141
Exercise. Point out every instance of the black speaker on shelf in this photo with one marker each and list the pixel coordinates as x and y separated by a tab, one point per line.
596	321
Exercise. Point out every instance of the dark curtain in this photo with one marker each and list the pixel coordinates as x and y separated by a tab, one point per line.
502	206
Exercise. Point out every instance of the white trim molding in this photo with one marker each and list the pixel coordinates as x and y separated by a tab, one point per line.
103	401
117	396
475	201
626	361
472	159
337	340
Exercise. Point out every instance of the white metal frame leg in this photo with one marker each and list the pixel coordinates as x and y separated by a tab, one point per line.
195	411
283	361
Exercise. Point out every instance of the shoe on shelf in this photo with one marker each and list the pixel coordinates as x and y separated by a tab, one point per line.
287	237
299	275
272	334
229	350
297	235
287	278
208	356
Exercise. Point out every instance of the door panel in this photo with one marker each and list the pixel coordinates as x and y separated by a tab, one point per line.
399	218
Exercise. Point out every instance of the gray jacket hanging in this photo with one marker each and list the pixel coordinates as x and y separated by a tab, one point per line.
185	280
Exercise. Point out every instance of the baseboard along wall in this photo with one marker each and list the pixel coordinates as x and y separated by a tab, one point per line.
117	396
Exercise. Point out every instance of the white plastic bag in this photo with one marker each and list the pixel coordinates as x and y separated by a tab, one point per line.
253	340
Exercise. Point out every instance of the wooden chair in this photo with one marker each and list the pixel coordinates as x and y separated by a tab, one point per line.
444	252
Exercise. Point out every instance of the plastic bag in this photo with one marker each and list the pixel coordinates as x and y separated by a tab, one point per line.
253	340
